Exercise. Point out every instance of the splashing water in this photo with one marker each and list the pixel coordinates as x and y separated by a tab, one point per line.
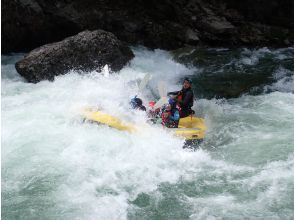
54	166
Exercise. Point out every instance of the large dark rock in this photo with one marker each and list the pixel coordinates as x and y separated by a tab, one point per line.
89	50
167	24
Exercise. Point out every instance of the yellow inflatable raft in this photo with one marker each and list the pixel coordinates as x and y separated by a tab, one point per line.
190	128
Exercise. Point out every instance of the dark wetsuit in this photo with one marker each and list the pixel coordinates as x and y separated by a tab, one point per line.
142	108
186	102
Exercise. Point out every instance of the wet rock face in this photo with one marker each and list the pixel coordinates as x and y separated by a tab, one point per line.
166	24
269	12
87	51
26	25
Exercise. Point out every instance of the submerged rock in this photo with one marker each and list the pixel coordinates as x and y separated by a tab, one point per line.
86	51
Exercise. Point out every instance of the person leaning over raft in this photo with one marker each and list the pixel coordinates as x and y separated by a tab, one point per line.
184	98
137	103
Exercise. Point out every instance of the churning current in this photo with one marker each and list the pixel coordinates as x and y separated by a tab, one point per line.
55	166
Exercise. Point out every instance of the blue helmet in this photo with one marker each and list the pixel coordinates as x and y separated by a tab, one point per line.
136	102
171	101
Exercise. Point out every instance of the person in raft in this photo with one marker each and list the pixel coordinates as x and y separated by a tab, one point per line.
184	98
137	103
170	115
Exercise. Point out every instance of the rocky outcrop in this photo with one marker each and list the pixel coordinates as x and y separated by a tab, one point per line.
87	51
167	24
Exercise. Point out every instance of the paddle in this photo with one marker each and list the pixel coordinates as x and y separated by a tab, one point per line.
105	71
162	88
162	92
144	81
160	102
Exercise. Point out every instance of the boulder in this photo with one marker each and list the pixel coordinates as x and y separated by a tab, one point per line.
27	24
86	51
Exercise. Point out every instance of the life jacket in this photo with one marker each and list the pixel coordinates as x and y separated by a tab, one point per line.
180	96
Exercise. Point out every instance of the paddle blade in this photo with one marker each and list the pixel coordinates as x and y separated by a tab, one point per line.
144	81
160	102
162	88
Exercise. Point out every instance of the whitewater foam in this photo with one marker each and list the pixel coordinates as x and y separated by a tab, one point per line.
57	167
